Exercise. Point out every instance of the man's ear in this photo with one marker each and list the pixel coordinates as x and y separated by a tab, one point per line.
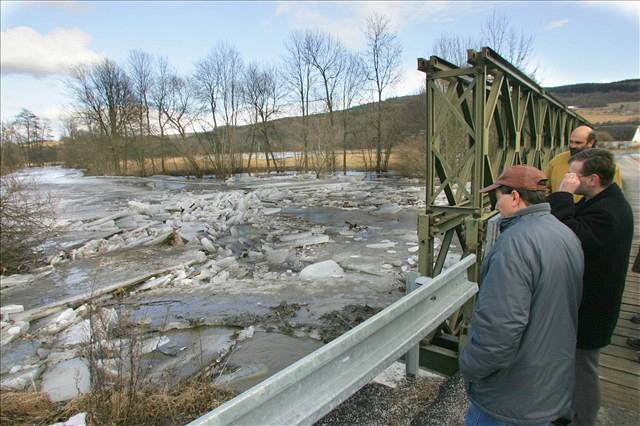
516	197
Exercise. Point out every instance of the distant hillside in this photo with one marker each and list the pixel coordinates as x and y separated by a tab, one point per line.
589	95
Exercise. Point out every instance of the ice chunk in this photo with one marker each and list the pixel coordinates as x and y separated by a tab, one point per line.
20	381
208	245
326	269
161	238
6	310
153	343
296	236
246	333
277	257
189	230
155	282
388	209
79	419
15	280
63	320
76	334
13	332
66	380
383	245
312	240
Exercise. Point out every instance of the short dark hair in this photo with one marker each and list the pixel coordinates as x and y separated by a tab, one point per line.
597	161
529	197
591	137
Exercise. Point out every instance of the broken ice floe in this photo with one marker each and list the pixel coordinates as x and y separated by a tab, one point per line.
21	379
326	269
66	380
382	245
79	419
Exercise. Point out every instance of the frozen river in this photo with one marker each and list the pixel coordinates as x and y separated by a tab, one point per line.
236	279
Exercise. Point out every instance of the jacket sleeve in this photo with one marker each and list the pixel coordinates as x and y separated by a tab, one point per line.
593	227
548	171
501	314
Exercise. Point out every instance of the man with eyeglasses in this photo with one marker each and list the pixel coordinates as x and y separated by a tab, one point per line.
581	138
603	222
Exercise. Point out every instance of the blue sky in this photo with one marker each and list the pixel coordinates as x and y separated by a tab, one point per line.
574	42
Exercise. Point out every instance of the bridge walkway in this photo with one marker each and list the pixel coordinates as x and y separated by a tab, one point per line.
620	364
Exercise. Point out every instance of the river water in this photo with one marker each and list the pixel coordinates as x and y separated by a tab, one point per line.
261	233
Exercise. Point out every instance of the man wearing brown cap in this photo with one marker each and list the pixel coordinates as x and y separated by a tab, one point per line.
581	138
603	221
518	363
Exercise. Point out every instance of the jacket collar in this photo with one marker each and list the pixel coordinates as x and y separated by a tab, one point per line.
612	190
536	209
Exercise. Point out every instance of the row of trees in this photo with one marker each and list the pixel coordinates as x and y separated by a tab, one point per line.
144	112
145	115
24	140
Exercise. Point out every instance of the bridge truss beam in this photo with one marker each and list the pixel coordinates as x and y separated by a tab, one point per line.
480	119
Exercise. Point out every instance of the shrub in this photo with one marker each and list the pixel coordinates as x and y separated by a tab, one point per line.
25	218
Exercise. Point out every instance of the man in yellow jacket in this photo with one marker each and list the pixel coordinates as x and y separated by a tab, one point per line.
581	138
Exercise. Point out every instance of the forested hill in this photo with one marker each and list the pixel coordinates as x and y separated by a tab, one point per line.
590	95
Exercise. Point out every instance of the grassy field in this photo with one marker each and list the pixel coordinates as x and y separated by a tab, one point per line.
619	112
356	161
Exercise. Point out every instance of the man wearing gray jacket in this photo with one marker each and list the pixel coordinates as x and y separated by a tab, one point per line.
518	363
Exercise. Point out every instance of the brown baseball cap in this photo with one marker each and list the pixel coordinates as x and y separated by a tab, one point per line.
520	177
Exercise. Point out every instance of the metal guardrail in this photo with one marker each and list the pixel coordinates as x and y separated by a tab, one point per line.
308	389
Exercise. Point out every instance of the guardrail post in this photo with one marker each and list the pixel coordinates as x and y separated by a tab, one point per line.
412	357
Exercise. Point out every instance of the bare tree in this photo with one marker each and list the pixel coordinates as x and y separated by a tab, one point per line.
496	33
515	47
26	124
230	90
383	61
453	48
352	84
159	97
217	85
141	72
11	156
262	91
327	55
105	100
299	78
179	110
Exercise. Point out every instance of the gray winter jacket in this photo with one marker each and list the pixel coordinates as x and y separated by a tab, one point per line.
518	364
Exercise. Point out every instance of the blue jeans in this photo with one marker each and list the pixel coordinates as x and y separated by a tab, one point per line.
477	417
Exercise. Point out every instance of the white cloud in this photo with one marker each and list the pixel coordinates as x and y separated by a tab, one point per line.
347	20
556	24
25	51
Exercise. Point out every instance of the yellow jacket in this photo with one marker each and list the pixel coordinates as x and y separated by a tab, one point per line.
559	166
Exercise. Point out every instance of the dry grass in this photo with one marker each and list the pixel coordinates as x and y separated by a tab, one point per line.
178	166
154	406
18	408
620	112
